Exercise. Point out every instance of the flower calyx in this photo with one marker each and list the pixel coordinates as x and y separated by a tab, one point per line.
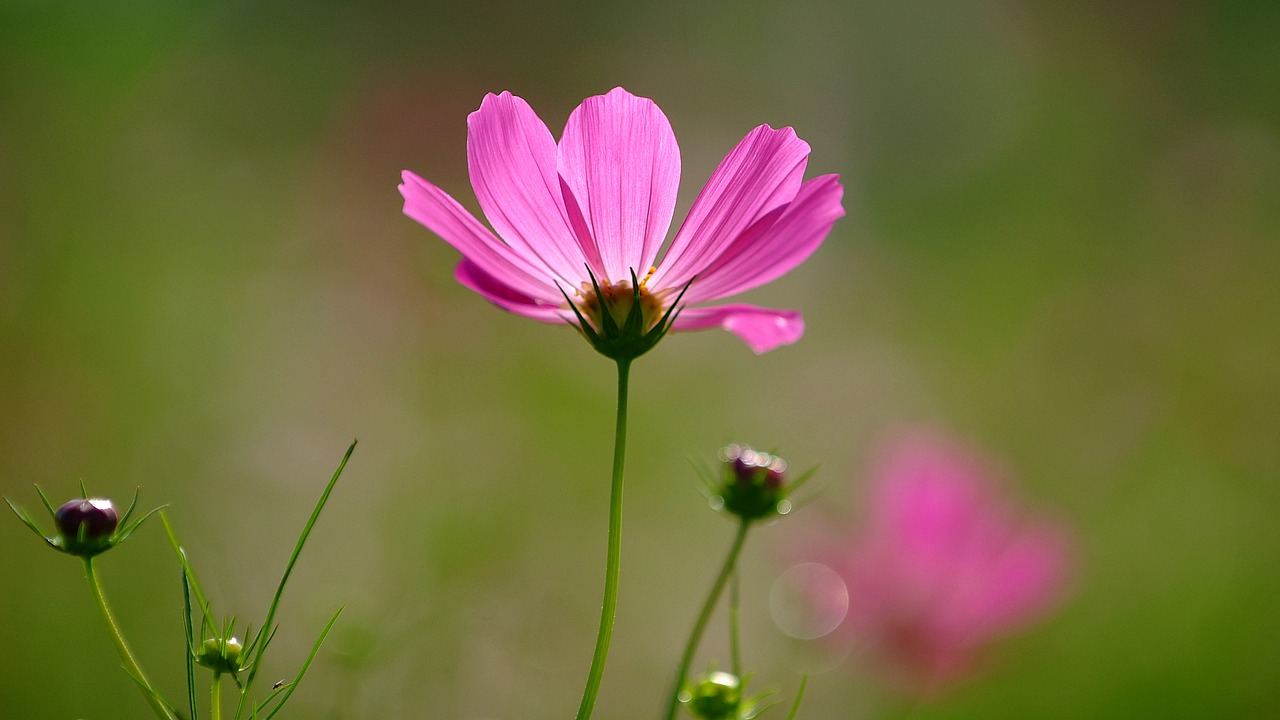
622	320
84	526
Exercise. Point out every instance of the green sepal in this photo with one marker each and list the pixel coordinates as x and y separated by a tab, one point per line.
30	522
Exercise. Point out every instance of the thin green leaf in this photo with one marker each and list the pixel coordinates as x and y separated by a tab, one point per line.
795	707
146	690
305	665
191	645
275	692
189	573
293	559
266	641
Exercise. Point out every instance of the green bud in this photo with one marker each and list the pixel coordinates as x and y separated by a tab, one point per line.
220	656
716	696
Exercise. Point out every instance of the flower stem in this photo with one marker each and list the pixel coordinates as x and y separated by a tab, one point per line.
131	664
735	638
610	605
215	697
699	626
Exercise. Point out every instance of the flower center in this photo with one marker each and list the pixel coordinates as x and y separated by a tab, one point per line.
618	299
622	320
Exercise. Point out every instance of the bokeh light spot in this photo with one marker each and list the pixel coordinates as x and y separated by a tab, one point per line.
808	601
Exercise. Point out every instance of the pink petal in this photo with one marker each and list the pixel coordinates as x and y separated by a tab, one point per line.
1024	579
930	488
758	176
619	158
512	159
471	275
775	244
762	329
443	216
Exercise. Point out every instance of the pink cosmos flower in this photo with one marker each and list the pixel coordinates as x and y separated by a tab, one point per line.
577	226
944	565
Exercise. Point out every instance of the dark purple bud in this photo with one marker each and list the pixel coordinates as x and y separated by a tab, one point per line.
85	526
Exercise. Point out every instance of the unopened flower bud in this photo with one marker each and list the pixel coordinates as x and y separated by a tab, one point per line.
753	483
220	656
716	696
86	526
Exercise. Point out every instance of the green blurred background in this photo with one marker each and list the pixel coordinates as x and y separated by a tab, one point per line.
1061	245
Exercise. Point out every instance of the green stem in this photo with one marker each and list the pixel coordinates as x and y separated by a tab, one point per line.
610	605
699	626
735	638
131	663
215	697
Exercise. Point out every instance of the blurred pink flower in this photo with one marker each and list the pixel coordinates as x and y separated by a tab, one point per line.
944	565
602	201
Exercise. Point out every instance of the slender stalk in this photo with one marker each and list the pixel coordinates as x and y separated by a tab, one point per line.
131	663
735	638
215	697
191	641
700	625
610	605
795	707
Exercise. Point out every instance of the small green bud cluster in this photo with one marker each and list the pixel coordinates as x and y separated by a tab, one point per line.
753	483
